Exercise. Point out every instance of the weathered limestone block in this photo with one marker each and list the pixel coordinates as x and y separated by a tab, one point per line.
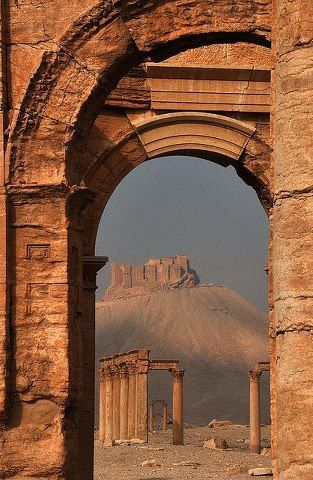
294	121
225	54
219	443
132	91
292	259
41	333
152	24
294	398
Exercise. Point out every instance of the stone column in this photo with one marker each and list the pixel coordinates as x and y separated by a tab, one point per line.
102	403
91	265
255	428
116	402
124	403
132	401
151	417
142	400
164	417
178	420
293	239
108	431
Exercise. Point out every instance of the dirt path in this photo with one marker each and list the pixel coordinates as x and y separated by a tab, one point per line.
124	462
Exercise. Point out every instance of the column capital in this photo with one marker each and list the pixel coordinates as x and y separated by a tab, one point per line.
178	375
102	374
108	373
115	369
132	368
254	375
91	265
142	366
123	371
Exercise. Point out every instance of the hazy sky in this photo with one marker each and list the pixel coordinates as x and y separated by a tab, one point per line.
186	205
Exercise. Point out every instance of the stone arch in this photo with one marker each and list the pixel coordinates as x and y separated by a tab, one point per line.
64	96
46	160
217	138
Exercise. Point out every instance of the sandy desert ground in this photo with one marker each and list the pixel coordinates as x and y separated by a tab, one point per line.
124	462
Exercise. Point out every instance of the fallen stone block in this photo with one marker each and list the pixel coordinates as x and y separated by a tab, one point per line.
219	443
261	472
148	463
136	441
237	469
219	423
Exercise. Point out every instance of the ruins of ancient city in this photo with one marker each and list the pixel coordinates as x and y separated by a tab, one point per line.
91	90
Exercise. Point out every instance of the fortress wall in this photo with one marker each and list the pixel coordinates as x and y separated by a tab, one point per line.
156	270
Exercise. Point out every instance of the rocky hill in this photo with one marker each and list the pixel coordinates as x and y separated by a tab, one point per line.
215	333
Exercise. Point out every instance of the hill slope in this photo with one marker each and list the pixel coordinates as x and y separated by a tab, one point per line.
215	333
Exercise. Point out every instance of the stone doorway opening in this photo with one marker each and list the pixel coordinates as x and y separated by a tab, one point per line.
130	203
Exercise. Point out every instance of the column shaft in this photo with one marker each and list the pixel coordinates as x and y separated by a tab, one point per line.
178	420
164	417
132	403
255	428
108	431
151	417
124	404
102	405
142	405
116	404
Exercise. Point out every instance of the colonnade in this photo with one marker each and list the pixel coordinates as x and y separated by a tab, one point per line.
123	396
255	425
123	402
164	419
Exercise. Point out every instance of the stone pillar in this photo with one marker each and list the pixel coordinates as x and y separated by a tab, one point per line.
116	402
178	419
91	265
4	216
142	400
255	428
124	403
151	417
131	401
4	300
164	417
102	403
108	430
293	239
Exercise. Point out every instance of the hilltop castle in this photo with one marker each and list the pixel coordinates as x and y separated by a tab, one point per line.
157	274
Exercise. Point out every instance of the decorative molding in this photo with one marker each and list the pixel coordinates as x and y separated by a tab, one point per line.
209	89
195	132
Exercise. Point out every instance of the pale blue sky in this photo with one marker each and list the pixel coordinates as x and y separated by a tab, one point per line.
187	205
